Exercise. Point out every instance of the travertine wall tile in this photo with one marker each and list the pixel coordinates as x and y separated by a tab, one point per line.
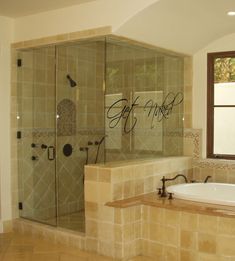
195	237
207	243
208	224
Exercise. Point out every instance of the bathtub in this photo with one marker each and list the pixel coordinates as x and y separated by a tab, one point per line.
214	193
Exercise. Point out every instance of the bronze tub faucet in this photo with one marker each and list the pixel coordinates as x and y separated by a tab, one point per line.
162	191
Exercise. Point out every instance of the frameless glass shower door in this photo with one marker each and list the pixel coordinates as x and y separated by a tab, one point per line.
36	134
80	124
60	129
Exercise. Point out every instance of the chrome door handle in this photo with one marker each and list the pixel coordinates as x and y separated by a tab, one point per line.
51	153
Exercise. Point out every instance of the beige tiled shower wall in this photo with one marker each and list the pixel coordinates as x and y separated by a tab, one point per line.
116	232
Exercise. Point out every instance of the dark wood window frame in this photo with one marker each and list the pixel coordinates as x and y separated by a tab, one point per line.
210	104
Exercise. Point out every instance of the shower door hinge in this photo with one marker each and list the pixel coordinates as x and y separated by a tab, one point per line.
18	135
20	205
19	62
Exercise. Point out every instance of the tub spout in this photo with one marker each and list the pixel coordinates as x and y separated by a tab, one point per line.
206	179
163	192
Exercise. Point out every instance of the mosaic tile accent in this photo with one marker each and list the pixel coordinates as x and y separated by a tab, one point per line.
195	136
66	123
39	133
222	171
215	164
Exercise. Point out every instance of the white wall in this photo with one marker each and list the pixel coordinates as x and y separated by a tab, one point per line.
79	17
6	37
226	43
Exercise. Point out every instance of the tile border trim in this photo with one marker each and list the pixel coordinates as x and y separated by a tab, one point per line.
68	37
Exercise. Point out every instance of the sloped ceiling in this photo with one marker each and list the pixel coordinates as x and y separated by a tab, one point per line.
181	25
17	8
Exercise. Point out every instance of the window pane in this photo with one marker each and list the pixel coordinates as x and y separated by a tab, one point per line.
224	93
224	69
224	131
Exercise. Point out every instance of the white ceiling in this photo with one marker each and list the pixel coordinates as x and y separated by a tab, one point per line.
17	8
182	25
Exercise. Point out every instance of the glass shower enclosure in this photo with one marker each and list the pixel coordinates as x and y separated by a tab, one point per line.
89	102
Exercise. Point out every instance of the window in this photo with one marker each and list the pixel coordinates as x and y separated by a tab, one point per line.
221	105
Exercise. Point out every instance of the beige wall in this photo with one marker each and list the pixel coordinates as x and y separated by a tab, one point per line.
79	17
6	36
226	43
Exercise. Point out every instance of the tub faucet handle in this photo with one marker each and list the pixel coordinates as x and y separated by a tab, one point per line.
206	179
170	195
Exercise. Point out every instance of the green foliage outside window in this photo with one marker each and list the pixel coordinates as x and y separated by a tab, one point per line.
224	70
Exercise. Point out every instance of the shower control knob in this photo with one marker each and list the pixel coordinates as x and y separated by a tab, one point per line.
34	158
43	146
34	145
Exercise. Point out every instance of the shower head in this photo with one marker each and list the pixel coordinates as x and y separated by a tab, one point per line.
71	81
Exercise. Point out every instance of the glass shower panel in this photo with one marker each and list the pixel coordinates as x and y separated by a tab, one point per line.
173	102
118	96
148	93
143	101
36	134
80	124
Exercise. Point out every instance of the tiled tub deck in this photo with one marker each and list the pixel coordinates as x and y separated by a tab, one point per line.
180	230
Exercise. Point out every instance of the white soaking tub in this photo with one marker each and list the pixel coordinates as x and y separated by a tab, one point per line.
214	193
